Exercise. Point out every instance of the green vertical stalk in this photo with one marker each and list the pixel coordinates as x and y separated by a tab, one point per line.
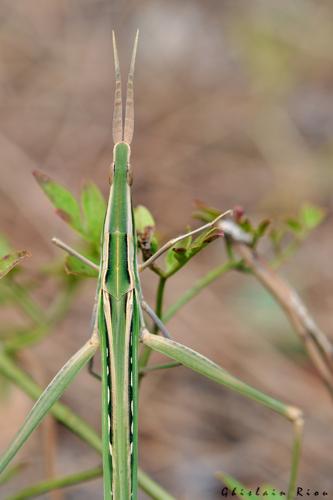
196	288
295	458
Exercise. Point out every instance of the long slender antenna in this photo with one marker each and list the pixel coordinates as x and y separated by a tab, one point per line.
129	112
117	125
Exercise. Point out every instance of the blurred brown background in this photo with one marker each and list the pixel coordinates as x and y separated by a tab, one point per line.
234	105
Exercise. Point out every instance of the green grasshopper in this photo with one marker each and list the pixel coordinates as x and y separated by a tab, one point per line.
119	327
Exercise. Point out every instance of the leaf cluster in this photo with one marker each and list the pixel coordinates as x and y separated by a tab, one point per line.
285	234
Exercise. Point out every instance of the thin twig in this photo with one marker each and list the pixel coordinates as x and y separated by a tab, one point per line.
317	344
171	243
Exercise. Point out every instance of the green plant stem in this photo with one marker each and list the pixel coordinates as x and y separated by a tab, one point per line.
72	421
61	304
285	254
296	455
20	295
183	299
153	489
61	482
148	485
61	412
11	472
146	351
196	288
56	312
159	301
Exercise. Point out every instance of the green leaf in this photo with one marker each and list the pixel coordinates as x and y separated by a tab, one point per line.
170	260
311	216
294	225
184	250
262	228
178	255
5	246
154	245
143	219
66	205
145	228
94	208
9	261
247	226
260	231
205	213
203	239
79	268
